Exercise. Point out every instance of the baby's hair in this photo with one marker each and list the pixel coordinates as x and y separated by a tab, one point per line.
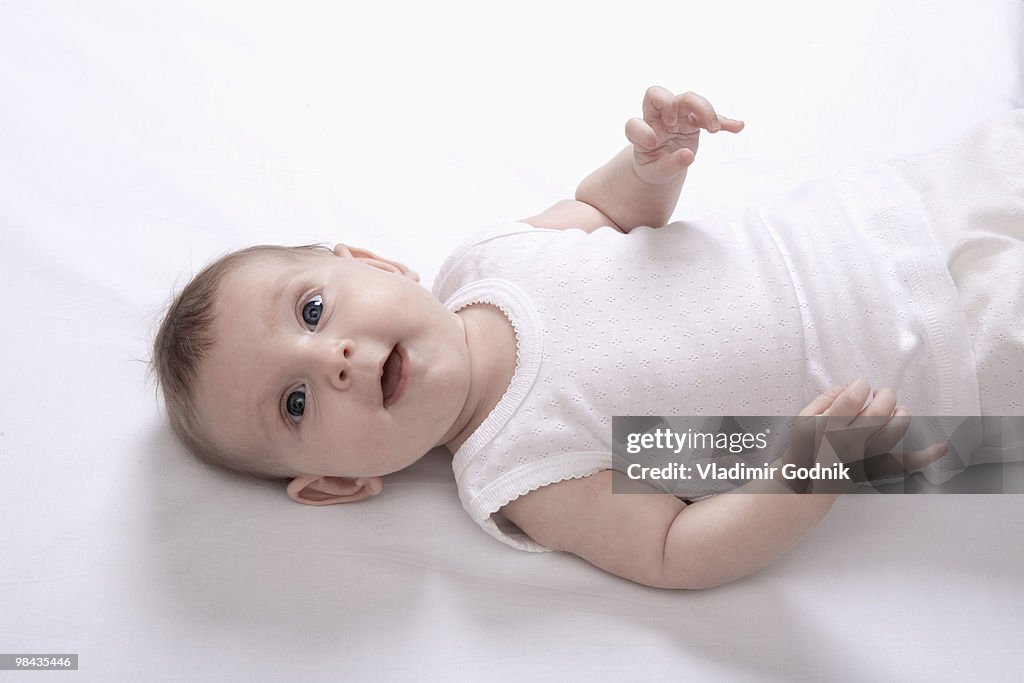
185	336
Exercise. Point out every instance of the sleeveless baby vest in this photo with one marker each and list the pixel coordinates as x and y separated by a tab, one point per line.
722	316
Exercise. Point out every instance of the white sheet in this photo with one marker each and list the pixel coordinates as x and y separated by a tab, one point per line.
138	140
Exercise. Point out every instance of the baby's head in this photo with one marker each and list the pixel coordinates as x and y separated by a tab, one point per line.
327	367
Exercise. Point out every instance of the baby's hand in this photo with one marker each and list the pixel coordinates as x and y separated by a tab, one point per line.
665	139
857	435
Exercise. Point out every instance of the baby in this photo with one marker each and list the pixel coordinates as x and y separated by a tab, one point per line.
333	368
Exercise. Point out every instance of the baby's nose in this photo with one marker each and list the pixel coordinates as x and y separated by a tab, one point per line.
336	360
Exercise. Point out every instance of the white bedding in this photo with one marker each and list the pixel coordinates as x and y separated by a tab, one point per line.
139	140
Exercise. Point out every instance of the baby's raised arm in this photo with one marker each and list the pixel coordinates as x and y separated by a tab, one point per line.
641	185
658	540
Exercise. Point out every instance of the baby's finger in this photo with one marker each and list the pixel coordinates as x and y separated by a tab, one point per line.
918	460
731	125
669	165
699	111
892	464
822	401
679	160
847	405
882	405
886	438
659	106
639	133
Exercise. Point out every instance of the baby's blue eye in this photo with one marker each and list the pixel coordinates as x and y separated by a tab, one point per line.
296	404
313	309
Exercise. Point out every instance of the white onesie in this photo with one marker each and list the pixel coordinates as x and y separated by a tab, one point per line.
751	314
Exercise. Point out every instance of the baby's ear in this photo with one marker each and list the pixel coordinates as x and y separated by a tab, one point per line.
367	256
330	490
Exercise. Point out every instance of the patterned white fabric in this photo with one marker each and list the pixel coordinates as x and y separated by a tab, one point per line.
972	193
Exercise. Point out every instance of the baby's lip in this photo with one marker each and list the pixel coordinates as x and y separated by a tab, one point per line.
383	362
403	375
380	372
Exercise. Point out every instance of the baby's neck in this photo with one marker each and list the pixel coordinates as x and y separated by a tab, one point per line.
492	349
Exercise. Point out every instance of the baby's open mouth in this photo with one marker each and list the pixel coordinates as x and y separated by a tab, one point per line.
391	378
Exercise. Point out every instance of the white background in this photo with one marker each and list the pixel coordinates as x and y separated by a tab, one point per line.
138	140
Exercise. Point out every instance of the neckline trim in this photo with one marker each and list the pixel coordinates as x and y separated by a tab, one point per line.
519	310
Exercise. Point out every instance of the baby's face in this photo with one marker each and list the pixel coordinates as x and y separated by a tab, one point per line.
295	370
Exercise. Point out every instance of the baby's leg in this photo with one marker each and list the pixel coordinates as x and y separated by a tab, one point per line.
973	194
